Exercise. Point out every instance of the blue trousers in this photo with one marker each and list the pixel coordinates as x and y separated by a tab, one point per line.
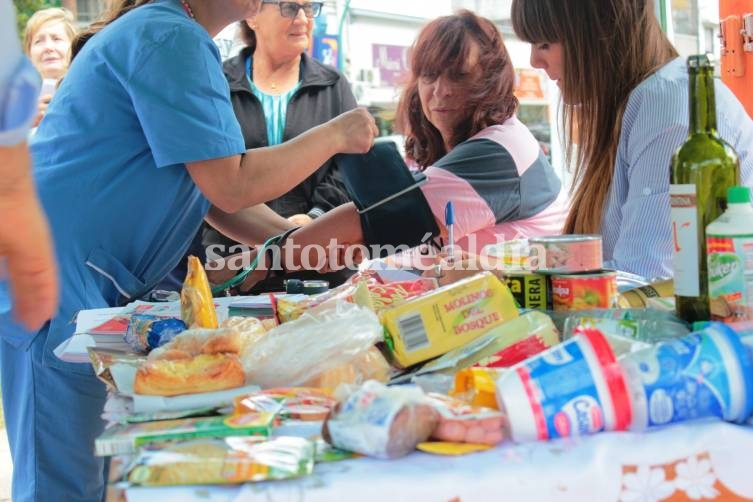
53	417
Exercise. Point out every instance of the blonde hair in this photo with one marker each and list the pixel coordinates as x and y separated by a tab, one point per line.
44	16
609	47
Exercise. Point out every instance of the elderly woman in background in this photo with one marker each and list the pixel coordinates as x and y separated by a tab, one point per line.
47	43
278	92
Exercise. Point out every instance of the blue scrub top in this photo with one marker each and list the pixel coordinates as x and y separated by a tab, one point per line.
136	105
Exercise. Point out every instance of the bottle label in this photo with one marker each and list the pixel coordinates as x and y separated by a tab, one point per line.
684	213
730	262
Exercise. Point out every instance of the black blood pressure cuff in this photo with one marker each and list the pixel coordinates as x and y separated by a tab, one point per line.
393	210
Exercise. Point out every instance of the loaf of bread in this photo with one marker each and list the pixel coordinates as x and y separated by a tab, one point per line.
203	373
367	365
195	342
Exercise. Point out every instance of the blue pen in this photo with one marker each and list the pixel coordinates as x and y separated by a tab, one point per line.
449	221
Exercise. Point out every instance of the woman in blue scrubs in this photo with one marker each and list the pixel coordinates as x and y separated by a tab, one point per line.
139	145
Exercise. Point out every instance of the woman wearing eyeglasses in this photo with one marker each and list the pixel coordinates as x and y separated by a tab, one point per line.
139	145
279	92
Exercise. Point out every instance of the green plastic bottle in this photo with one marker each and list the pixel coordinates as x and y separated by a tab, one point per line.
703	168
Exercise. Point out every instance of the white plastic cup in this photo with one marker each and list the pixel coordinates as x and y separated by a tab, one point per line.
572	389
705	374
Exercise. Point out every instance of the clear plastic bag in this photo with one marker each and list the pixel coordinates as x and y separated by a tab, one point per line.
322	339
380	421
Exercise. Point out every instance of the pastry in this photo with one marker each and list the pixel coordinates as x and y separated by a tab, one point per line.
203	373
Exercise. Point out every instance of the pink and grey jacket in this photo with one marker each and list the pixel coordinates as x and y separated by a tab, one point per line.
501	185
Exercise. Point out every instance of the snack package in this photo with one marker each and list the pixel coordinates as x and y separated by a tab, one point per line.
291	307
380	421
196	302
297	403
230	460
460	422
125	439
321	340
477	386
146	332
446	318
378	297
103	359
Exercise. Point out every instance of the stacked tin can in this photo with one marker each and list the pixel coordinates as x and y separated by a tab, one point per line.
566	274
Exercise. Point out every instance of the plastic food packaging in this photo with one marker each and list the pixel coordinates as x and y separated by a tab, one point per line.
230	460
380	421
657	325
146	332
462	423
125	439
502	346
196	302
477	386
321	340
378	297
297	403
103	359
572	389
291	307
705	374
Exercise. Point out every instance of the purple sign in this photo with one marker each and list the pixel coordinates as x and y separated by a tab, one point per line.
392	63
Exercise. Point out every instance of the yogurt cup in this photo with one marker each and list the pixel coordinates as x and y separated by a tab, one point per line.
705	374
572	389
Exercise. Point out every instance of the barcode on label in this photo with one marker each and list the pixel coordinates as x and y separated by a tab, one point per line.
111	446
413	332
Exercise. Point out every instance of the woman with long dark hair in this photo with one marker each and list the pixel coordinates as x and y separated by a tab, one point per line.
625	112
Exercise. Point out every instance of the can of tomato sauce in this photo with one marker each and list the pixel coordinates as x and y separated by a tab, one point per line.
573	292
567	253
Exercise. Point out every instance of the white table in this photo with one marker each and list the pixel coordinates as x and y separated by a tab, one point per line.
703	460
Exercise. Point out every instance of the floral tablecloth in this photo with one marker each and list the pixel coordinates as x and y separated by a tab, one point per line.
700	461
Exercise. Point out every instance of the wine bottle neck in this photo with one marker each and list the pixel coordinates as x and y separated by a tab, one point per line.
702	101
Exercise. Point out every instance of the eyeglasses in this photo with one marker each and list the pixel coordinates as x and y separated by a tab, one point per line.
290	9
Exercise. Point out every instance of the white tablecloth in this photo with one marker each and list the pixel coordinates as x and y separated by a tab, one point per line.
700	461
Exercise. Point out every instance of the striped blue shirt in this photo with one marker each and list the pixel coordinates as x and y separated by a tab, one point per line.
275	108
636	224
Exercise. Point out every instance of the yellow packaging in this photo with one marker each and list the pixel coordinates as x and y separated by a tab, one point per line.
446	318
477	387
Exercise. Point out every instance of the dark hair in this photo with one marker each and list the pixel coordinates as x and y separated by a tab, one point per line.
443	47
609	47
113	13
248	35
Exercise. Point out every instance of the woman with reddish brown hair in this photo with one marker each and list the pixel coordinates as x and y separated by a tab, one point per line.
458	114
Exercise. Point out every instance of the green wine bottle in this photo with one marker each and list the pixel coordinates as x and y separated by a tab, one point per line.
703	168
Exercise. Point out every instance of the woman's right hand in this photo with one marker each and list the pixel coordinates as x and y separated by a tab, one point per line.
354	131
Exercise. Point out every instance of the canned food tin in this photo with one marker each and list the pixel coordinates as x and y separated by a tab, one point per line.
568	253
528	288
584	291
